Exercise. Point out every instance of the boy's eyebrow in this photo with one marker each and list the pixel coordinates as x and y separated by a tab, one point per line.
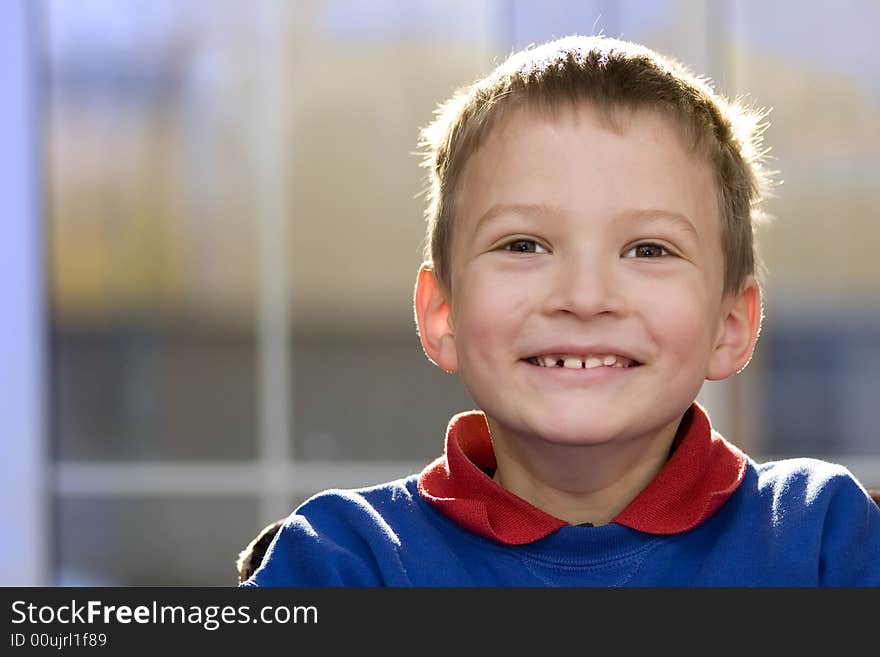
514	208
640	214
649	214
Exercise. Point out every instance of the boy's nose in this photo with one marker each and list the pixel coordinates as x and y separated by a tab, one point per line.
585	287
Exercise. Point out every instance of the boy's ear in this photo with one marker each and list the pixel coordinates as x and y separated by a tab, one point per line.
738	332
434	321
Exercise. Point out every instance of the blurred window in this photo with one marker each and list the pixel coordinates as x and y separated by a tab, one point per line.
234	225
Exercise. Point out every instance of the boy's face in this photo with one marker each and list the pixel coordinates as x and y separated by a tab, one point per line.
574	243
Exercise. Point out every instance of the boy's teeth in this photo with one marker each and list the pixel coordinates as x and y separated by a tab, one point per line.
577	362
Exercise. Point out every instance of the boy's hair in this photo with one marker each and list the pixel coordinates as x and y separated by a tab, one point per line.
250	558
611	75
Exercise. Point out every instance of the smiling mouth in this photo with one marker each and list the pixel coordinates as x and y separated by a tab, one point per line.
593	361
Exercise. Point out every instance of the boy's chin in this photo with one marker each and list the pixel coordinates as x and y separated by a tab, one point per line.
579	436
575	430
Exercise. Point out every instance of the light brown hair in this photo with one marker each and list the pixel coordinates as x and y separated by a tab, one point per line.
612	76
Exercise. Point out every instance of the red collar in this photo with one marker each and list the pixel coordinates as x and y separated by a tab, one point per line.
703	471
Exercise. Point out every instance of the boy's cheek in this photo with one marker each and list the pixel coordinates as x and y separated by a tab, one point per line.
681	328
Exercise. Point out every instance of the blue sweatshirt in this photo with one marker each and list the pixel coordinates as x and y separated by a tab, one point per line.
711	517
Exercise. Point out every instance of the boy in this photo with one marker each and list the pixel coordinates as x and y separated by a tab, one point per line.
590	265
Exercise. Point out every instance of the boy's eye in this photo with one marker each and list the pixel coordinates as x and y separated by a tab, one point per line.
524	246
647	251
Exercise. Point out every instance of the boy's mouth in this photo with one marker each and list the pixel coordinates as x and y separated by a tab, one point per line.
589	362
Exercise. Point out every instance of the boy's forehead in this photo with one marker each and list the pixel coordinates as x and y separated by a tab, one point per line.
520	150
614	118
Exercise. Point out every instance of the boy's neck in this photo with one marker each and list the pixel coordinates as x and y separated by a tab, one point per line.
583	483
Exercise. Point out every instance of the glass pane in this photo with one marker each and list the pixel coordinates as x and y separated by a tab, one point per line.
150	237
141	392
152	541
371	398
819	351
